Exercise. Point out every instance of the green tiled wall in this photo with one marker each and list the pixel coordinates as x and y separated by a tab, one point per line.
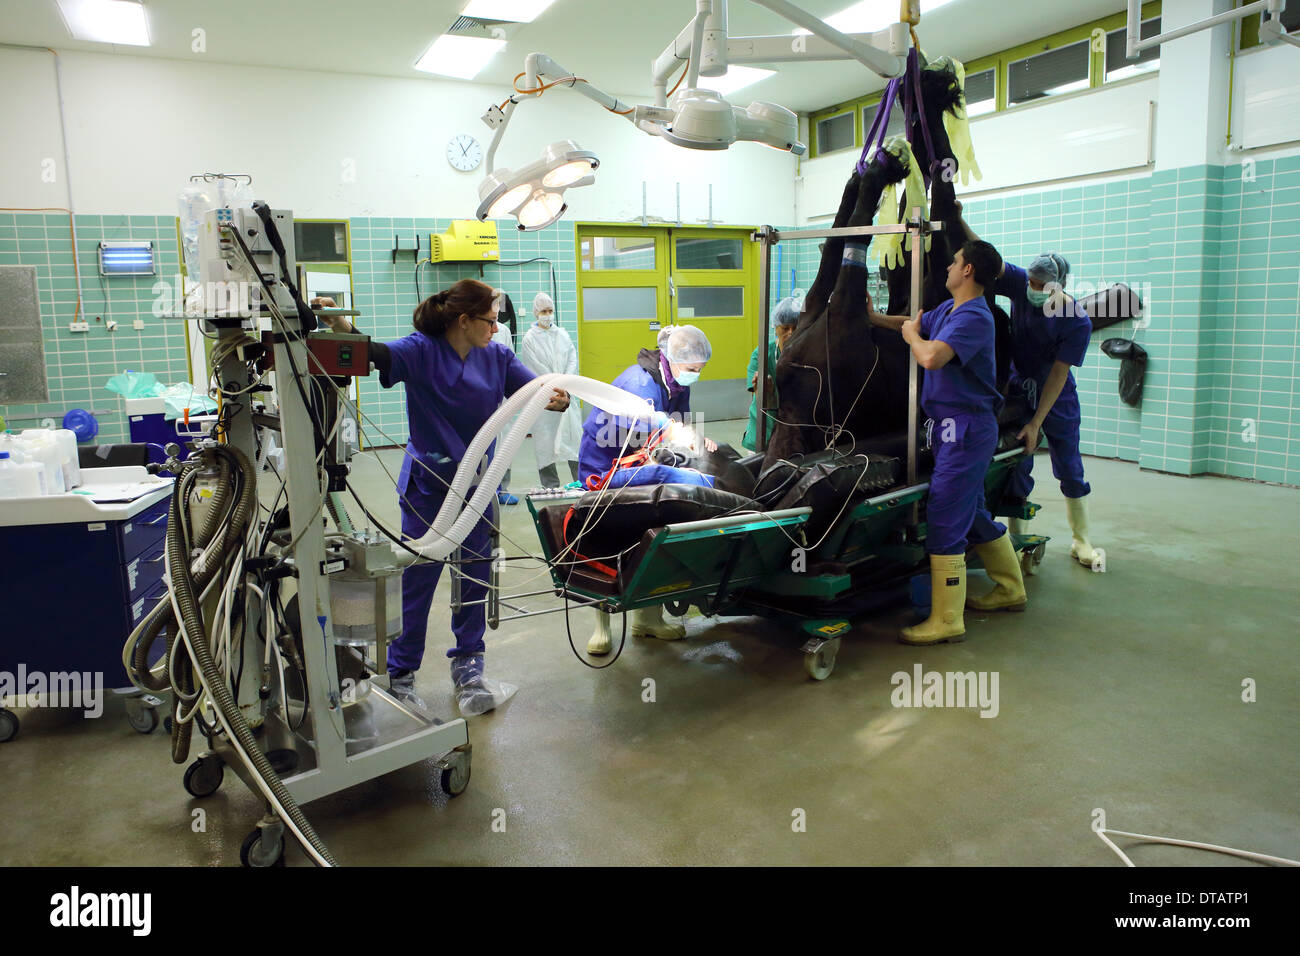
79	363
1216	249
386	291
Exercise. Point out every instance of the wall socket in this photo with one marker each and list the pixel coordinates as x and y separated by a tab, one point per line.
79	326
138	324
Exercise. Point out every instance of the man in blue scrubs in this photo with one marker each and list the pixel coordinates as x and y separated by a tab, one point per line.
954	343
663	377
1049	334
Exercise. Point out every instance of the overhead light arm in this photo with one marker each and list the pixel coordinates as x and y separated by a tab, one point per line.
697	118
887	64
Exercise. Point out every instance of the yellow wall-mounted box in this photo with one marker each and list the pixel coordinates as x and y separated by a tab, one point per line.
468	240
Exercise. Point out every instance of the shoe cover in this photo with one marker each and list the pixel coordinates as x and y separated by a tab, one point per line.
476	694
402	686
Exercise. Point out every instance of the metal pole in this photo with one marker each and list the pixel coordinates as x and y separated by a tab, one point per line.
764	235
918	263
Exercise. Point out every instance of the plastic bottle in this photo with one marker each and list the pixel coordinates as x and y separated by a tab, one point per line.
40	445
20	479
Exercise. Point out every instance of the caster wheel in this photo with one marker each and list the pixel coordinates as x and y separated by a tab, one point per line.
203	777
677	608
455	778
820	663
167	726
254	853
142	718
8	725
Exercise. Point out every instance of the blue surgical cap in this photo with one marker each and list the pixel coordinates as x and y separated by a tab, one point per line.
787	311
687	345
1049	267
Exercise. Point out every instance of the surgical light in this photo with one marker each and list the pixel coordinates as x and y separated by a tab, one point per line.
703	119
534	194
461	57
510	11
542	210
106	21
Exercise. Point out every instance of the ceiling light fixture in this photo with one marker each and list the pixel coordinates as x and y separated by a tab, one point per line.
106	21
461	57
511	11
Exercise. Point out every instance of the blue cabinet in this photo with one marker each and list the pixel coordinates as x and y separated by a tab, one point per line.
75	591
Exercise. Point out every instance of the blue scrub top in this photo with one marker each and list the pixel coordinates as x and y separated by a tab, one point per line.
602	439
968	383
448	399
1039	340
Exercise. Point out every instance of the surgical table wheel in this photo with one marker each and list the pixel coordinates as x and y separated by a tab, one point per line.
455	772
819	657
8	725
677	608
258	852
142	714
204	776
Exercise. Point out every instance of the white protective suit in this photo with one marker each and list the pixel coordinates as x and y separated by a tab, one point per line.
555	434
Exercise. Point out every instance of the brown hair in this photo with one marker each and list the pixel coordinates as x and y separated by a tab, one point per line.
436	314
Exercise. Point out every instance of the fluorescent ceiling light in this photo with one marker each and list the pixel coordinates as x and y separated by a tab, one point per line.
458	56
514	11
869	16
736	78
106	21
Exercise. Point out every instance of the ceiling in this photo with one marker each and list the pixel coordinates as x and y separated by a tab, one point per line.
609	42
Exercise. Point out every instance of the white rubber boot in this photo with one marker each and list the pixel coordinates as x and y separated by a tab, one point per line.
1081	548
649	622
1027	566
601	641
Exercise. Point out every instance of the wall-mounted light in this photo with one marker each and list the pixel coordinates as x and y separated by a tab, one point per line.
126	258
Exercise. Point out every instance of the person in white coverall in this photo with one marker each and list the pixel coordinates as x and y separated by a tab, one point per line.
547	348
504	336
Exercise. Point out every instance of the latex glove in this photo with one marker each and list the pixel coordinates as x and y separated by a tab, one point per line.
710	445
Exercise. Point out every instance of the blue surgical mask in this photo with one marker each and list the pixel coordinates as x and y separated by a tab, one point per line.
1037	299
686	379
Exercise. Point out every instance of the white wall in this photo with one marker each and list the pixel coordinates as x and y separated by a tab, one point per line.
1080	134
1266	97
139	127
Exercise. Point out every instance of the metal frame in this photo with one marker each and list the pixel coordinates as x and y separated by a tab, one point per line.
393	734
918	228
1136	44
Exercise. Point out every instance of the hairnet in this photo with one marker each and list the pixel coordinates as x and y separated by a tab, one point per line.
787	311
542	303
687	345
1049	267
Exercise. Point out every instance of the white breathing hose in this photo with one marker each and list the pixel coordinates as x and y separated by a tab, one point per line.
456	518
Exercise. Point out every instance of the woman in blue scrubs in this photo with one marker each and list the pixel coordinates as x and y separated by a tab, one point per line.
455	376
663	377
954	343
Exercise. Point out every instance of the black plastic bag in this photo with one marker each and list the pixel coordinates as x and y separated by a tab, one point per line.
1132	367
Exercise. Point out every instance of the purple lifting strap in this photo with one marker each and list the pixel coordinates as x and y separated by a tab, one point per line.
880	123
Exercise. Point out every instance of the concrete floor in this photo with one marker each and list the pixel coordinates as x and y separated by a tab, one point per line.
1119	690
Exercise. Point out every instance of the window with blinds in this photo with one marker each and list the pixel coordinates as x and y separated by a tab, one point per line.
1118	65
1052	73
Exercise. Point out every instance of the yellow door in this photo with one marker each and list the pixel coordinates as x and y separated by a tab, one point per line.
635	280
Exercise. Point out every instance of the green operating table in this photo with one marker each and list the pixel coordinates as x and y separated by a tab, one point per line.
762	564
